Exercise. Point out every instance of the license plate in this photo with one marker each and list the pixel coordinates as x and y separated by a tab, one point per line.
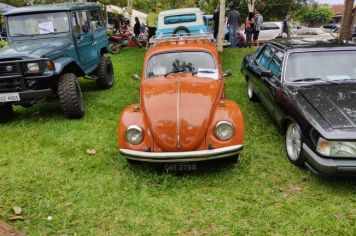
9	97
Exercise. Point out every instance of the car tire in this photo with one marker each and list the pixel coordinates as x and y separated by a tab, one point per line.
293	142
114	48
250	93
105	74
181	28
6	112
70	96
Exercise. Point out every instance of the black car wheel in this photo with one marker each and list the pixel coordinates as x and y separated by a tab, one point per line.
250	93
105	78
70	96
6	112
294	140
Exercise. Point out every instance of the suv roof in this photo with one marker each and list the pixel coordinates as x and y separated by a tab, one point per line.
179	11
51	8
286	44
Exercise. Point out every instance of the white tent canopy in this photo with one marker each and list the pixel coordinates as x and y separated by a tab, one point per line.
123	11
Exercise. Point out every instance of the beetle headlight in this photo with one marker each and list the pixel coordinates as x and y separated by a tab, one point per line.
134	134
33	67
224	130
336	148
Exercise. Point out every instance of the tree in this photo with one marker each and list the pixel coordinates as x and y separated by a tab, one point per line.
315	15
221	26
346	22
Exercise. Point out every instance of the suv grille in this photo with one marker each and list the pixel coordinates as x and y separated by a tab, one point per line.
8	68
10	76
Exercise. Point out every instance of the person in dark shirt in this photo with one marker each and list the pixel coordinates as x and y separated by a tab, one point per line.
233	20
216	17
137	31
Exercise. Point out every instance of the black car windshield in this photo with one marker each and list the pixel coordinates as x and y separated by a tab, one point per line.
35	24
322	66
176	62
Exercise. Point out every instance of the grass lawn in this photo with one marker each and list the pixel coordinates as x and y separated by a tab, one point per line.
45	170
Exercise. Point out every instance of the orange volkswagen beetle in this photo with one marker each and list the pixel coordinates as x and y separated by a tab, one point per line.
183	115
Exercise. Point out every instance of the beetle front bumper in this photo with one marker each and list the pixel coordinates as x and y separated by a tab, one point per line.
191	156
328	166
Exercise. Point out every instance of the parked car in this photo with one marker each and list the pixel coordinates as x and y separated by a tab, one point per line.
270	30
181	21
313	33
312	98
50	46
183	115
334	28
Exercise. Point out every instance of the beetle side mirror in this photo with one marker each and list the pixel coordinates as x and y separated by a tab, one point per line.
135	77
228	73
266	73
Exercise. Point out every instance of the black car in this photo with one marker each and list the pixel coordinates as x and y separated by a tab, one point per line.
309	87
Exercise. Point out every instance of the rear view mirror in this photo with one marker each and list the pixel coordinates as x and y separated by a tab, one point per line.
228	73
135	77
266	73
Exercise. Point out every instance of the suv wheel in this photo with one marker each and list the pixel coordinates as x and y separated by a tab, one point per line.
105	78
70	96
294	140
6	113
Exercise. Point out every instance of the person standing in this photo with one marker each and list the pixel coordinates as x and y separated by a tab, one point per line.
286	28
258	25
152	23
137	31
233	20
216	17
249	28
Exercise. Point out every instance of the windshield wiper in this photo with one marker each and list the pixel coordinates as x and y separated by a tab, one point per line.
315	79
175	72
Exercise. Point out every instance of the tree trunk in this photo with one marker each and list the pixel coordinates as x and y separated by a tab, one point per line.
250	5
346	22
221	35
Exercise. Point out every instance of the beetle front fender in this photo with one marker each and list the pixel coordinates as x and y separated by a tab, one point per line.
227	111
133	115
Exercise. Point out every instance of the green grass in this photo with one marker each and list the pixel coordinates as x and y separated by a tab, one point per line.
45	170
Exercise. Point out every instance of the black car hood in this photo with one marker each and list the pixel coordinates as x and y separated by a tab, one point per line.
35	48
335	103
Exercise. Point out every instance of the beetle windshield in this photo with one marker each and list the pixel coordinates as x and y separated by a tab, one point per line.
35	24
323	65
176	62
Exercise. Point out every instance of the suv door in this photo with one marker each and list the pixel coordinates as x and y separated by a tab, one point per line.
85	41
96	22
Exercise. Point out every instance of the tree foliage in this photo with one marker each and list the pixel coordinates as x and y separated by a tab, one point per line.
315	15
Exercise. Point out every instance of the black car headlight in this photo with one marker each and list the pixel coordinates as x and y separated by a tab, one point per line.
134	134
336	148
224	130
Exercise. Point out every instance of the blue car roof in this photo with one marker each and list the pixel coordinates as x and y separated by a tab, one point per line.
51	8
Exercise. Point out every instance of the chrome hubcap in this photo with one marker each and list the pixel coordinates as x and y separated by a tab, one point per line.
293	142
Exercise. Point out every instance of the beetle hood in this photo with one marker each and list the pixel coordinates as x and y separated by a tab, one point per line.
34	48
178	110
335	103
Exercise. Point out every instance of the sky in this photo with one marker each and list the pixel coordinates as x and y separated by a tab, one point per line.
331	1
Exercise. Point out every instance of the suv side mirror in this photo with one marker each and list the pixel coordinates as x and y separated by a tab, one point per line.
135	77
266	73
228	73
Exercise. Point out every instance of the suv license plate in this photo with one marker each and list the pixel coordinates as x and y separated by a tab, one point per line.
9	97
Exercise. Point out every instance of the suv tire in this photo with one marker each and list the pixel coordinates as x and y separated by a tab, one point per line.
6	113
105	74
181	28
70	96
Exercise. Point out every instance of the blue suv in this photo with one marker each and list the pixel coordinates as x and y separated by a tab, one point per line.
50	46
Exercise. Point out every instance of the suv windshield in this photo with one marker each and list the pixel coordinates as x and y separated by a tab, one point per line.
176	62
324	65
35	24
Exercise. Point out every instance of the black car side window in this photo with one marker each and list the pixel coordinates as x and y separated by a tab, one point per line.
276	64
265	57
